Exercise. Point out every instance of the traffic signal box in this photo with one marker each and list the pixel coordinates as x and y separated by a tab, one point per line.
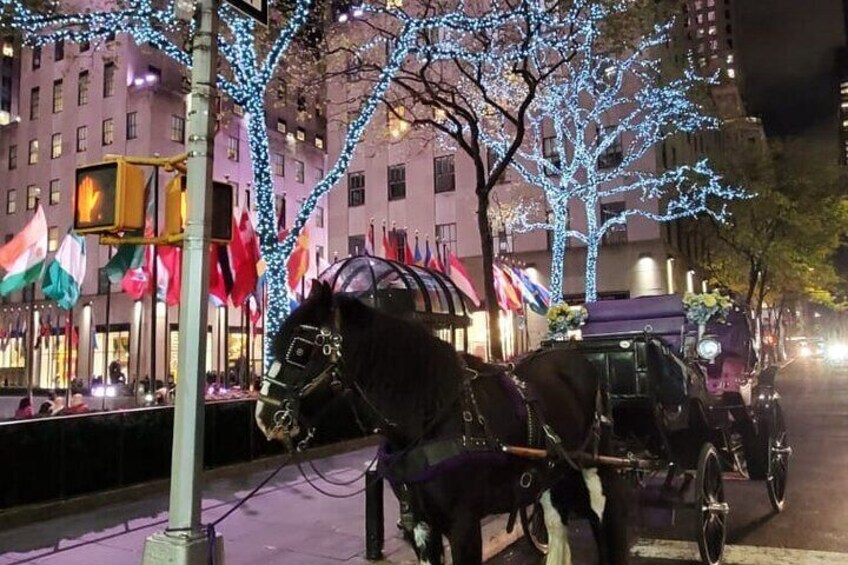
109	198
222	209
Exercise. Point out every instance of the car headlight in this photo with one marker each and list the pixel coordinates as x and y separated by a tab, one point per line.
709	348
837	352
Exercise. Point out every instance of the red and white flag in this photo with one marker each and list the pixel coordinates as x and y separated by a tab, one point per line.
460	277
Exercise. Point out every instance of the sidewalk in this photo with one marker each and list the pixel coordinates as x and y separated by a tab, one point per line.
287	522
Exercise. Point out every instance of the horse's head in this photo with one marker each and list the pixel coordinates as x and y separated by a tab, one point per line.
307	350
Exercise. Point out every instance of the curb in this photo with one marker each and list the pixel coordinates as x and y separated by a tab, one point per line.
23	515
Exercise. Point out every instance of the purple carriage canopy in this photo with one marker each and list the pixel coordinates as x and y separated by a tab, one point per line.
664	317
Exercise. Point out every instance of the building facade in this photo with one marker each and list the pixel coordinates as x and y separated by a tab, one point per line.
72	105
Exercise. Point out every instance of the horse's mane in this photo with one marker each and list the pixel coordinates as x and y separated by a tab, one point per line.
399	363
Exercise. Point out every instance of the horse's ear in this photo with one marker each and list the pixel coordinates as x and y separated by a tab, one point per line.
316	289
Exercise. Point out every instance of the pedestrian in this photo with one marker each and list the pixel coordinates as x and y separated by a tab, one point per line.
46	409
58	406
78	405
24	410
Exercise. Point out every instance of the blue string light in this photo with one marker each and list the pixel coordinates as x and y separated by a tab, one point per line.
573	112
251	77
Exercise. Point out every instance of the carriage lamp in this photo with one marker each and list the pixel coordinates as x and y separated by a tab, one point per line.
709	348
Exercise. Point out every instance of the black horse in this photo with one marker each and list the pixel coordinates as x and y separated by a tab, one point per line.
445	420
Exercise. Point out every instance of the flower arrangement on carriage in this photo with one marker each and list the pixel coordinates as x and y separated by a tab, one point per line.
701	309
563	319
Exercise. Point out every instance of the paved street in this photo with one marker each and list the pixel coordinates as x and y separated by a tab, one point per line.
812	529
289	523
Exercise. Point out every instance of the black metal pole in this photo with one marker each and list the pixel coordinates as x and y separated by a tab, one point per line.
30	342
106	376
374	521
154	269
69	352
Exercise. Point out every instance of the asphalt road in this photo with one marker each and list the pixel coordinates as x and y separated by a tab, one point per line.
813	528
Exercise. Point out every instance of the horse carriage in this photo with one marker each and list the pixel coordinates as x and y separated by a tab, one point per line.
464	439
689	400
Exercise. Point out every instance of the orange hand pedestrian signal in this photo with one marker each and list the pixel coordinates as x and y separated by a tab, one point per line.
109	197
89	201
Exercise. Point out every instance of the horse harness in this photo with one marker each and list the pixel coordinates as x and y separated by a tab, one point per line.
421	460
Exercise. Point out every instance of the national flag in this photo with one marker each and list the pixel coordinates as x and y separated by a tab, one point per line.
408	258
131	256
460	277
255	308
427	255
217	288
64	276
541	296
244	251
508	296
23	257
388	249
170	263
43	330
524	290
432	262
369	240
298	263
417	259
226	269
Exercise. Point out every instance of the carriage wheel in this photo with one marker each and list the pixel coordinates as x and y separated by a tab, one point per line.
710	506
778	460
533	524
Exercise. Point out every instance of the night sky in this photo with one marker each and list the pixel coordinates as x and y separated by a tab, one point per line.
788	52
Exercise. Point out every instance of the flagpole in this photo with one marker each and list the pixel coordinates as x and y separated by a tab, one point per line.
69	338
30	342
106	376
154	273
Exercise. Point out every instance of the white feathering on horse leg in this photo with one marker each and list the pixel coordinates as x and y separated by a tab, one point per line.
596	491
421	534
559	552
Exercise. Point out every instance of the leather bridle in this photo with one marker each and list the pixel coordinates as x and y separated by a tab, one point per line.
308	345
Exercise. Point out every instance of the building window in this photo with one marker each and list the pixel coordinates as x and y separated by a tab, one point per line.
13	157
238	110
355	189
108	133
36	58
502	241
132	125
177	128
282	127
11	201
319	142
34	103
108	80
617	233
280	208
279	164
613	154
355	244
59	50
82	88
232	148
104	286
55	192
33	151
551	155
299	174
397	182
301	134
33	194
84	46
444	174
319	216
82	139
319	174
56	146
446	235
52	238
58	99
